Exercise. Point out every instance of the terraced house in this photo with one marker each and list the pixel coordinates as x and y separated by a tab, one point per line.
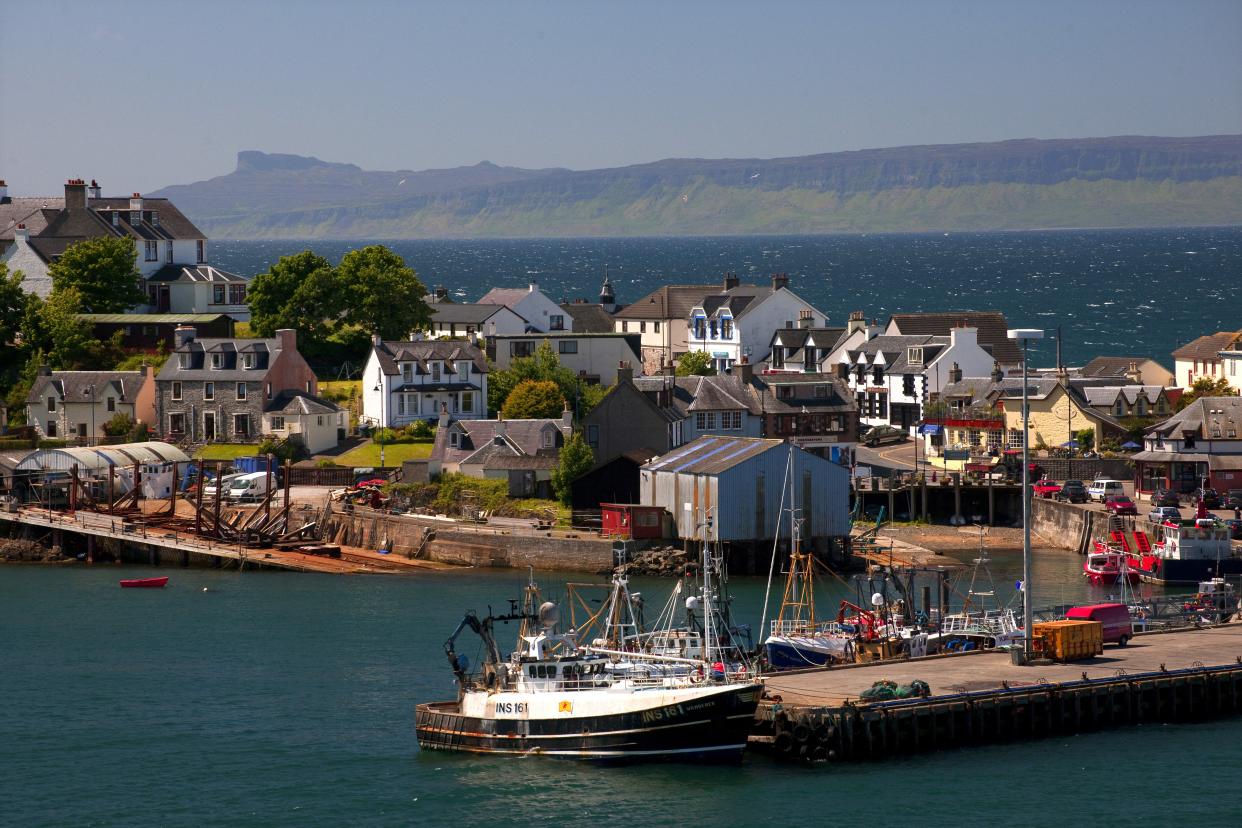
218	390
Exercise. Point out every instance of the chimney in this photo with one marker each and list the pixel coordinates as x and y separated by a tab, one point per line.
997	373
183	335
955	373
45	370
731	281
567	420
963	336
288	339
806	319
1133	373
4	191
444	418
780	280
532	287
94	190
441	292
75	194
22	233
857	322
500	431
376	340
745	371
873	330
625	372
667	369
135	209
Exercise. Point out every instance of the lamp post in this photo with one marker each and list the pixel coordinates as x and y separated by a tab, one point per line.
379	386
1025	335
90	441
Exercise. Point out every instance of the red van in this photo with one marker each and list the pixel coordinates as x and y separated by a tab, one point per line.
1114	617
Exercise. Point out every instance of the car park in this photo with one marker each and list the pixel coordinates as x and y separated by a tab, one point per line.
1164	497
1162	513
1072	491
1120	505
881	434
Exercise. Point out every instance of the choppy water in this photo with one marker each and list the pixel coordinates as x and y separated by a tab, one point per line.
1124	292
284	699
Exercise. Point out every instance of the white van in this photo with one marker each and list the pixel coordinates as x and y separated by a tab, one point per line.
251	486
1102	490
226	480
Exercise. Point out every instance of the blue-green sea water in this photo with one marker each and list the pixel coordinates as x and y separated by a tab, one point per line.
287	699
1116	292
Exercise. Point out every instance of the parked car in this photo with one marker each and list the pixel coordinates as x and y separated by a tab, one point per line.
1235	528
225	481
1162	513
1046	488
1121	505
1233	499
1102	490
1164	497
1211	498
876	435
1072	491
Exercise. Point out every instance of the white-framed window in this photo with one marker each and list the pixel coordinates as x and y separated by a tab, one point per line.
463	369
730	420
642	327
247	360
168	251
241	390
656	326
202	250
319	419
454	439
111	404
217	361
556	322
435	371
278	423
467	402
549	438
217	294
51	404
269	390
625	326
407	372
152	251
209	391
401	405
915	356
176	390
1015	438
568	346
704	420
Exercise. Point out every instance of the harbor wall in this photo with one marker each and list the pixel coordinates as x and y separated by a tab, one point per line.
445	542
1067	526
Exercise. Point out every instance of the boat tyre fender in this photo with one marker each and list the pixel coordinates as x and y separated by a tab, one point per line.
783	743
801	733
819	753
824	733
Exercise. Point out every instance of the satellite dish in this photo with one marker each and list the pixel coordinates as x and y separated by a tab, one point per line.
549	614
877	600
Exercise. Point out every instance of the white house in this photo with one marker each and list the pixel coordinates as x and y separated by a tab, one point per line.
171	251
450	320
316	423
893	376
660	319
540	312
1213	356
417	379
594	357
740	320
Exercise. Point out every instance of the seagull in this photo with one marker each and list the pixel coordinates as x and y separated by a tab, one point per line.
753	177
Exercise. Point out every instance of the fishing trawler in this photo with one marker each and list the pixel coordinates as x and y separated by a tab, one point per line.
1191	552
557	697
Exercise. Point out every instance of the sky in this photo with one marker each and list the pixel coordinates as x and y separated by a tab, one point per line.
140	95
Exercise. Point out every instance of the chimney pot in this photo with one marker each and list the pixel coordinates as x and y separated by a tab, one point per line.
75	194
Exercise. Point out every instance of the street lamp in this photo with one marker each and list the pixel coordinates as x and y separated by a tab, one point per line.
90	440
379	386
1025	335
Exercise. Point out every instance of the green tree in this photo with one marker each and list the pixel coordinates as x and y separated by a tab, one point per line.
274	300
695	364
543	365
13	302
119	425
1085	438
103	270
385	296
70	342
1207	387
533	399
576	459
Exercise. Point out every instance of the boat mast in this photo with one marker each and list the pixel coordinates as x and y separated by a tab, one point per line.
798	602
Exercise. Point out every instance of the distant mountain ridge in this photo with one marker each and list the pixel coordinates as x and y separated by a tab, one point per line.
1125	181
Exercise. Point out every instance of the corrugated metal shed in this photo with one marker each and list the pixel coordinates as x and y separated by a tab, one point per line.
88	458
737	484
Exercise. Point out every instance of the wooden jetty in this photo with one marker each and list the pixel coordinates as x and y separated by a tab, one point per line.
980	698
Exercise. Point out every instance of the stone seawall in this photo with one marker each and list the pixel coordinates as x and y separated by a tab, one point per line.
448	542
1067	526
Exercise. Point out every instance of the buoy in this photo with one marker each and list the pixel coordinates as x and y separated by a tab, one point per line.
204	589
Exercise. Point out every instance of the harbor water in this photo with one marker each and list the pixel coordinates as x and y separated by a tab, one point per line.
257	699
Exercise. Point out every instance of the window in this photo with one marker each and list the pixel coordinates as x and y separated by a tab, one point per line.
915	356
168	251
269	390
1188	440
548	439
217	361
176	390
111	404
655	326
568	346
319	420
51	404
625	326
1015	438
521	348
116	218
593	436
784	392
309	389
217	294
176	423
209	390
556	322
237	294
726	328
435	371
467	402
278	423
152	251
202	250
401	404
907	384
642	327
463	370
241	390
730	420
1142	407
821	391
241	425
1119	410
407	371
454	439
877	375
247	360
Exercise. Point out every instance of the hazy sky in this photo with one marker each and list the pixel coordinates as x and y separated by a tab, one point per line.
144	94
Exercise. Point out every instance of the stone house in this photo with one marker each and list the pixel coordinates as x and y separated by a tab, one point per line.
522	452
416	379
77	404
218	390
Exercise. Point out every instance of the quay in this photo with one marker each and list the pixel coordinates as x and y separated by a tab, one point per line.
981	698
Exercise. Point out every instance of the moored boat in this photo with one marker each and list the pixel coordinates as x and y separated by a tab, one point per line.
1191	552
144	583
1106	566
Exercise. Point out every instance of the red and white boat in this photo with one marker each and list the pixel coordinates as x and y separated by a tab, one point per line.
145	583
1106	565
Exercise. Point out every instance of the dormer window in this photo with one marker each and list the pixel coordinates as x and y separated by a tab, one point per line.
877	374
183	360
463	370
1142	407
1188	440
247	360
435	371
1119	410
914	356
454	439
217	361
155	219
116	218
407	371
548	439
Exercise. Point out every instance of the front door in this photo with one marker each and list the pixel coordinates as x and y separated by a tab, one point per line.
209	426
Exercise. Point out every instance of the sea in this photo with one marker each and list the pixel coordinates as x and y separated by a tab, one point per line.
1115	292
273	699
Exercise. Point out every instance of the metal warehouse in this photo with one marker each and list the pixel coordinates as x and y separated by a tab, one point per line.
91	458
741	482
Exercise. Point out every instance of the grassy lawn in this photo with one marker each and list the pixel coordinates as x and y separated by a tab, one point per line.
226	451
340	390
368	454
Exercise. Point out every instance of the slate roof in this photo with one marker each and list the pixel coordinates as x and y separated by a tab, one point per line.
194	273
971	389
667	302
199	349
691	394
992	325
521	438
294	403
711	455
504	296
806	388
589	318
466	313
1202	418
896	351
1208	347
74	386
1104	396
420	352
1112	366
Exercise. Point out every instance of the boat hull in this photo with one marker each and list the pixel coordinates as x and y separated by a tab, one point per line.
1173	571
144	583
798	653
712	728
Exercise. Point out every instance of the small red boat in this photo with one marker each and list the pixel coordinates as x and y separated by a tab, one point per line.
145	582
1106	566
